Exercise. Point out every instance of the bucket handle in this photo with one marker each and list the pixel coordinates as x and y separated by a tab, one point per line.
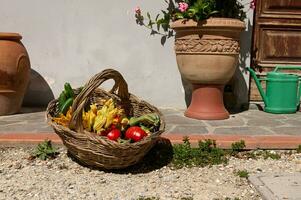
299	92
287	67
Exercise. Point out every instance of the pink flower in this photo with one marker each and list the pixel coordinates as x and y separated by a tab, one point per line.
138	10
183	6
253	4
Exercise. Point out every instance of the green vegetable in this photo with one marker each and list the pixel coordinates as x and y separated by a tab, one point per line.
149	122
148	119
66	98
66	106
147	130
62	99
69	90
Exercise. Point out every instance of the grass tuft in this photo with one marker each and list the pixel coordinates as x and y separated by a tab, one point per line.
237	147
268	154
243	174
148	198
299	149
206	154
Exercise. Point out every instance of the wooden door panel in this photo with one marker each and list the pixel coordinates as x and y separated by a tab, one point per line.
276	37
284	8
280	46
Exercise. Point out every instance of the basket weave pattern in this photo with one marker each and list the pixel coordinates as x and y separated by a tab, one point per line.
98	151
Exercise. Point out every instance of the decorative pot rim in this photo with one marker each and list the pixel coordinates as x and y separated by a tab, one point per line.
10	36
211	23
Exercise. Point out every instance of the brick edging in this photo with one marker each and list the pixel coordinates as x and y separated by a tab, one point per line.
223	141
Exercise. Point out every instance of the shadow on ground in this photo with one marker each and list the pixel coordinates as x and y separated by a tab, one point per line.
32	109
159	156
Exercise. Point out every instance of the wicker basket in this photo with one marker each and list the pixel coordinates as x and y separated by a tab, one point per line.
98	151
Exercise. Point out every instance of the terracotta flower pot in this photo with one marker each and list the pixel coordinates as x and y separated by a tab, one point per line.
207	55
14	72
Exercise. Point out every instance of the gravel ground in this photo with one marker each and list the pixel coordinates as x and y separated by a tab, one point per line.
62	178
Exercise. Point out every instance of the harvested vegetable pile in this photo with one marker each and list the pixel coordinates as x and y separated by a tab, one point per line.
107	119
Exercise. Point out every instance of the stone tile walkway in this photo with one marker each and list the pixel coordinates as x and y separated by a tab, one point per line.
251	122
262	130
278	186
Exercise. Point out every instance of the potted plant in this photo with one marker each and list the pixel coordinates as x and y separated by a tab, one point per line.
207	47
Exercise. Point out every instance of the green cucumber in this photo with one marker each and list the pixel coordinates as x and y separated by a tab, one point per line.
69	90
66	105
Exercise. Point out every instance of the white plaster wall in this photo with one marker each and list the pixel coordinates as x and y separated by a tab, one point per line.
246	39
71	40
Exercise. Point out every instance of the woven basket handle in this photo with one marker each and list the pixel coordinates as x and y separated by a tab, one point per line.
80	101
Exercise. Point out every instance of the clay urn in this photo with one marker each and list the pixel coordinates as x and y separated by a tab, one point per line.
207	55
14	72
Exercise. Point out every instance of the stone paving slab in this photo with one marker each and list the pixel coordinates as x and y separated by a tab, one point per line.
278	186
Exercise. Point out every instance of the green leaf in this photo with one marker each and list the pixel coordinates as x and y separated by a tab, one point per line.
42	156
191	12
45	150
150	24
179	16
160	21
165	26
213	12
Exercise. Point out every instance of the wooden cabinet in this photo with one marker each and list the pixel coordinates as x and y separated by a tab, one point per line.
276	38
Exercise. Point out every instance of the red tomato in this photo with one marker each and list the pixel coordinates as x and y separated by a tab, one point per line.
135	133
114	134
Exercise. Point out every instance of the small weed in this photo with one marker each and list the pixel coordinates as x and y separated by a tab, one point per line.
148	198
299	149
237	147
243	173
265	154
63	166
206	154
268	154
45	150
186	198
250	155
289	153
